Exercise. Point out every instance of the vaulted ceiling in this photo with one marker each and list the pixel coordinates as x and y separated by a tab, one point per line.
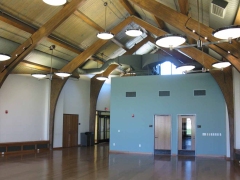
29	28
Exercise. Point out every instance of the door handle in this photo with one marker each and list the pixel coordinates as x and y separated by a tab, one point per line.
156	137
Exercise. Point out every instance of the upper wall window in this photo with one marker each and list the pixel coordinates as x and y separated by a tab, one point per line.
168	68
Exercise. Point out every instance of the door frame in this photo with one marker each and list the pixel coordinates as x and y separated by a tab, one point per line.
178	115
170	129
96	129
105	117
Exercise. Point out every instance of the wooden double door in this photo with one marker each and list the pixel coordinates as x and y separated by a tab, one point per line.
70	130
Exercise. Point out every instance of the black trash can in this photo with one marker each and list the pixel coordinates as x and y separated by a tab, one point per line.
87	139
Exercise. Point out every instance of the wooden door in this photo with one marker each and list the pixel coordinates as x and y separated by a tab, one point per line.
162	132
70	130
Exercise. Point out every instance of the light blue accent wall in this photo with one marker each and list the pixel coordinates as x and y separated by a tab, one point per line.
209	110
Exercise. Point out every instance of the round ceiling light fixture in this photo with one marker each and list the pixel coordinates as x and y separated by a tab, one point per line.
221	65
105	35
102	78
134	32
55	2
229	32
170	40
4	57
39	75
63	74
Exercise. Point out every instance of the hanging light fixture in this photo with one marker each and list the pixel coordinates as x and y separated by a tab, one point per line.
55	2
134	32
63	74
229	32
105	35
221	65
102	78
4	57
170	40
185	67
39	75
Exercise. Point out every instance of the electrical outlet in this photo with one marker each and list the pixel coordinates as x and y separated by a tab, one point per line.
140	145
113	144
118	130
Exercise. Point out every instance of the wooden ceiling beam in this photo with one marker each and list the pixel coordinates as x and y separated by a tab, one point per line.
24	49
97	27
169	16
183	6
237	18
27	28
159	22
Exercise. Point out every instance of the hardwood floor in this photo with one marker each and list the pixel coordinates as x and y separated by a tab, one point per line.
89	163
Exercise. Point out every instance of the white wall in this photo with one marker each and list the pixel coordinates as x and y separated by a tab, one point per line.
27	101
236	92
74	99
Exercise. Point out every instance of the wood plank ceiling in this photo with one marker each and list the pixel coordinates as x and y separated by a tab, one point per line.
20	19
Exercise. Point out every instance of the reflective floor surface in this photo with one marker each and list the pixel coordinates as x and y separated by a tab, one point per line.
89	163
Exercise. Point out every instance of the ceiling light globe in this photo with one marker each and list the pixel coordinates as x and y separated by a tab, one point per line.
185	67
4	57
221	65
134	32
231	32
62	74
101	78
170	40
105	35
55	2
39	75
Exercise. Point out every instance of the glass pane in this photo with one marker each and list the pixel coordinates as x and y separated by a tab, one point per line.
166	68
101	135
